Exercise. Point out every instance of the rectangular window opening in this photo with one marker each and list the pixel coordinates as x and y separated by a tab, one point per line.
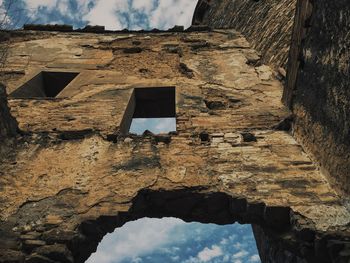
152	109
44	85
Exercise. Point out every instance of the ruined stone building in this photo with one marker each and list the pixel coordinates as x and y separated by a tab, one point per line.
260	93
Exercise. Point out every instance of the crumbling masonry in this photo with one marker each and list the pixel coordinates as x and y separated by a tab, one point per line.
70	172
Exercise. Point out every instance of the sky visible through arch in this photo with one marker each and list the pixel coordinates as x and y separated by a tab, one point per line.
146	240
171	240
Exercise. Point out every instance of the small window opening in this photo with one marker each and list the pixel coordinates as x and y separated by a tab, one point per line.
44	85
151	109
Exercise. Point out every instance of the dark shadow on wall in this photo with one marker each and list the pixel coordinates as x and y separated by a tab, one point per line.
8	124
317	88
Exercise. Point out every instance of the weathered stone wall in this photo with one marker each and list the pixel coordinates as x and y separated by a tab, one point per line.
266	24
317	80
318	67
7	123
76	177
318	85
272	250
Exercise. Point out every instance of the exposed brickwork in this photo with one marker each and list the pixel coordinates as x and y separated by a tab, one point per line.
317	82
77	177
318	85
266	24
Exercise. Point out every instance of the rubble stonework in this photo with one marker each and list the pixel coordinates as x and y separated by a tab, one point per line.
267	24
316	88
318	68
76	174
76	177
318	85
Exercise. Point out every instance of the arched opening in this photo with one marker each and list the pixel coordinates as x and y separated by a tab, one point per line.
189	205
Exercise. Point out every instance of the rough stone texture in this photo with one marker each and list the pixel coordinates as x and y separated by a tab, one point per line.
8	125
318	70
266	24
272	250
75	177
7	122
318	85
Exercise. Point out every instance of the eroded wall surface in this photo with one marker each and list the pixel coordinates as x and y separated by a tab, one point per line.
266	24
8	125
318	85
75	177
317	78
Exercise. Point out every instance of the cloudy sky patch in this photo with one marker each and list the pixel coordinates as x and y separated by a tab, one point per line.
172	240
208	254
135	239
113	14
155	125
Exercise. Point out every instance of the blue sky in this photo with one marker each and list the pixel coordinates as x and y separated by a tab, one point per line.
155	125
172	240
114	14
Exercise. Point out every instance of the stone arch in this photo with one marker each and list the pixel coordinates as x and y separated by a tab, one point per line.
189	204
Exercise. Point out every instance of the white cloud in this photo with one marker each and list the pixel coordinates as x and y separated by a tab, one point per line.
240	254
114	14
55	11
254	258
224	241
165	125
104	13
238	245
172	12
63	7
163	16
135	239
209	253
